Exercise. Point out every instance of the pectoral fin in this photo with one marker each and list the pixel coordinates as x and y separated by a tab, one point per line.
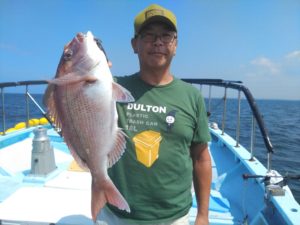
121	94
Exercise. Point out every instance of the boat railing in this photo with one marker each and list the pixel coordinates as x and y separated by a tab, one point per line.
28	98
236	85
256	115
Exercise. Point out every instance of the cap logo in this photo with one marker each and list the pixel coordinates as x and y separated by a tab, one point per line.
154	12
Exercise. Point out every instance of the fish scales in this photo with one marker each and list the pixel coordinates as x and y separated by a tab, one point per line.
82	118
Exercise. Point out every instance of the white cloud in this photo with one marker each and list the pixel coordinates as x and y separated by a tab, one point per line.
287	65
266	64
276	79
293	55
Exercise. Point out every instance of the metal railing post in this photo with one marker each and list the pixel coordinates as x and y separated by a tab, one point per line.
252	138
27	107
3	110
238	120
209	98
224	111
269	162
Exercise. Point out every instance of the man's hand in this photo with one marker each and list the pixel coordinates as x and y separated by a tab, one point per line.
200	220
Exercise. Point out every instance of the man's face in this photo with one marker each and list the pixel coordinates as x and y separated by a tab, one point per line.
155	45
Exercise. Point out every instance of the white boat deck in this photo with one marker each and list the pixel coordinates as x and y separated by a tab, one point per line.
48	205
62	197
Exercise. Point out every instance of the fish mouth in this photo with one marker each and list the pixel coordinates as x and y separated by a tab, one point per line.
80	37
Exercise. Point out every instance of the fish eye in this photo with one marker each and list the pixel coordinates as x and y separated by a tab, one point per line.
68	54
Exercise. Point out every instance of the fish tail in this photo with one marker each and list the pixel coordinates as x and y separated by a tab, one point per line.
108	194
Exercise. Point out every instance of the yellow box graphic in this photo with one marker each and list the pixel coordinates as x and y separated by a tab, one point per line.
147	146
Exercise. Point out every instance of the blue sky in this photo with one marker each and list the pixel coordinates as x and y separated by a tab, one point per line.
255	41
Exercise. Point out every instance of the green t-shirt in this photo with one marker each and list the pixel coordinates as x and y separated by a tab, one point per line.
155	172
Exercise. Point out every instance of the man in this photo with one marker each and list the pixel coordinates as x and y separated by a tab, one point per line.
167	134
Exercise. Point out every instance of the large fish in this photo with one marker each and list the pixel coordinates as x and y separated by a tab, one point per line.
82	102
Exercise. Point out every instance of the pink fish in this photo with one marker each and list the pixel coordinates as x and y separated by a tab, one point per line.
82	101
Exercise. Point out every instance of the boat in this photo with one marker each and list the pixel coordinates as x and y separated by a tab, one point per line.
40	183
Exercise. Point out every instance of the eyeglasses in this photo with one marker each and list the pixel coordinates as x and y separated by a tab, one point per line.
165	37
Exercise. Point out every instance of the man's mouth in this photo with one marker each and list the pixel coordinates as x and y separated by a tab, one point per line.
157	53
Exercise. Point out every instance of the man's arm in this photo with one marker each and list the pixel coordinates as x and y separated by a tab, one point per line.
202	175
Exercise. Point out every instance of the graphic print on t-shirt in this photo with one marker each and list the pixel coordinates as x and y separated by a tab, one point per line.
145	120
147	145
170	119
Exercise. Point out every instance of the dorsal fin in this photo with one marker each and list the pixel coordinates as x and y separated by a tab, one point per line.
49	101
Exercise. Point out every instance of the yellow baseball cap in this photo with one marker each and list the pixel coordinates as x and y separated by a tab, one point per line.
154	13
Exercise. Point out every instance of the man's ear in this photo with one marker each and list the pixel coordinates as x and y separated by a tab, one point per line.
175	46
134	45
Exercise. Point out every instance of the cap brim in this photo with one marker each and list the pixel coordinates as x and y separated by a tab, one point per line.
154	19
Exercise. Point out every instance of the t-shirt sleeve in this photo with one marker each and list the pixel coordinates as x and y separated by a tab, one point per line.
201	133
